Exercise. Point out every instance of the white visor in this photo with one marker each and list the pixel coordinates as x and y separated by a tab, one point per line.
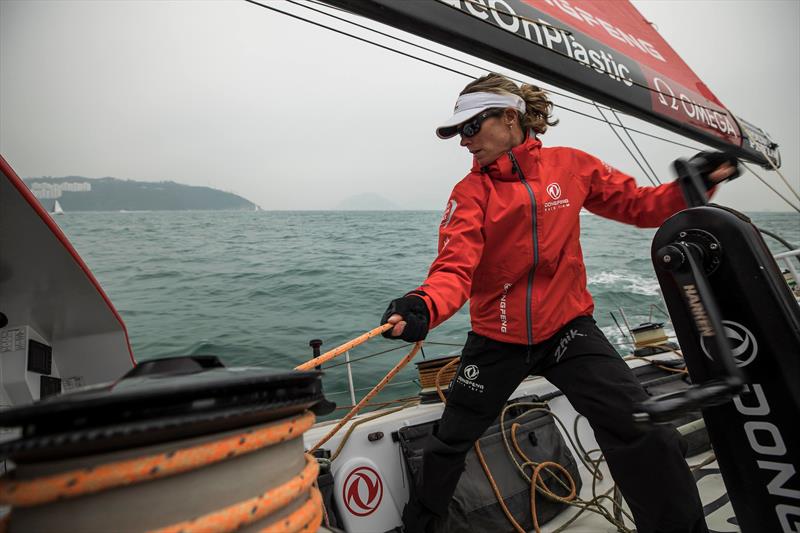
469	105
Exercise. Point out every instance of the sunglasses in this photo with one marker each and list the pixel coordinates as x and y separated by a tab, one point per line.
472	127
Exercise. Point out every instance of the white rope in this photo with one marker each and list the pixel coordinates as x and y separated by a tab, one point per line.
783	178
771	187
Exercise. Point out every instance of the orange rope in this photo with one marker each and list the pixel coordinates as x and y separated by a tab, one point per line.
439	377
94	479
375	390
529	462
536	476
307	517
239	514
496	490
325	517
361	339
538	480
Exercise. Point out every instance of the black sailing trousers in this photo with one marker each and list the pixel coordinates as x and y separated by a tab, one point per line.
646	462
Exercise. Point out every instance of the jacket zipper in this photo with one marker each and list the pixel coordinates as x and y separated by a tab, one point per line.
529	293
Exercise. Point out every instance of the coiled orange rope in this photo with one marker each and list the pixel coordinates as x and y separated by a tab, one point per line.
235	516
538	481
308	517
85	481
94	479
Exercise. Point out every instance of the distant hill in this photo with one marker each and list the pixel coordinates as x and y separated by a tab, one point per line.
77	193
367	201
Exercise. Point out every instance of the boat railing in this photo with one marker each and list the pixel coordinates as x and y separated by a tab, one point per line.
353	392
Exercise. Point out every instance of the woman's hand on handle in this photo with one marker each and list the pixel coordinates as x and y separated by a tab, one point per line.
716	167
722	172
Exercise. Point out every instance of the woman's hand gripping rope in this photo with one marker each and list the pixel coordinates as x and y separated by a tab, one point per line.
410	317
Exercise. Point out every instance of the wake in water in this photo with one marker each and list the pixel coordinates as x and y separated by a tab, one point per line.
623	281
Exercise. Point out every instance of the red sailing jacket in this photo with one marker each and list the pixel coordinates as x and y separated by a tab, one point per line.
509	239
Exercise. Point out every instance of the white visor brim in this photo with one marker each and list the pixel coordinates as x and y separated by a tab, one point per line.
469	105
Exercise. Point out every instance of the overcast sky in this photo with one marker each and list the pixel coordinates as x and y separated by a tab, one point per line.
290	116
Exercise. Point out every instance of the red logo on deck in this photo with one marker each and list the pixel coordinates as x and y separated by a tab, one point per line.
363	491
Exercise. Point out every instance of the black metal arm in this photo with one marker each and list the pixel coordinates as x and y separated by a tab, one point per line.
682	259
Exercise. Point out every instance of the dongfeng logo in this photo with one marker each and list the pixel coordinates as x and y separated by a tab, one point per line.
554	190
362	491
471	372
742	342
448	212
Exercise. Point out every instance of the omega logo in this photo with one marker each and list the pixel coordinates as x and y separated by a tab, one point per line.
554	190
362	491
744	346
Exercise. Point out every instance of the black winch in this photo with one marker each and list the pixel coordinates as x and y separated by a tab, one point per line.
157	401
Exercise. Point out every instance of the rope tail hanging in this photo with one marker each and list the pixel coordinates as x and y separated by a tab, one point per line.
361	339
386	379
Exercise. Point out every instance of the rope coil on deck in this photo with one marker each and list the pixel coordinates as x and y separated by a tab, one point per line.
536	480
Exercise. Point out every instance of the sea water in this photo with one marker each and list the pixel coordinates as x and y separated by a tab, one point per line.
255	287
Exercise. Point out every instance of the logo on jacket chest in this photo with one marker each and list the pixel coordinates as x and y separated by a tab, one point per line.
555	202
554	190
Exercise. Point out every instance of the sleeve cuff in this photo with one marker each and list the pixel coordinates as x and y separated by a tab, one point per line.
420	293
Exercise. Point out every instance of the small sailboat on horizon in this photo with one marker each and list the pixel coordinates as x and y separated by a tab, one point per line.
57	209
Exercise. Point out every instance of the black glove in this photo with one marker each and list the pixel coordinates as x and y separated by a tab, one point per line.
708	162
414	312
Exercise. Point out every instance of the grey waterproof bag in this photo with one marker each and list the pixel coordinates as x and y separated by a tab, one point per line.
474	506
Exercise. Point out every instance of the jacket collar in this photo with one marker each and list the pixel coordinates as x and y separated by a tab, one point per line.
526	154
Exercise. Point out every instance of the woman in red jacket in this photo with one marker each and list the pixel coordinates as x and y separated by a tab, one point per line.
509	243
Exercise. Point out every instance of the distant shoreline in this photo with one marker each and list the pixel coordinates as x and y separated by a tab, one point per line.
81	194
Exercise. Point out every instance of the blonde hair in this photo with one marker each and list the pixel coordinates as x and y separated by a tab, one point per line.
538	108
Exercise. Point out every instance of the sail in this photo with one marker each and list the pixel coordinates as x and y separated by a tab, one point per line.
605	51
57	209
